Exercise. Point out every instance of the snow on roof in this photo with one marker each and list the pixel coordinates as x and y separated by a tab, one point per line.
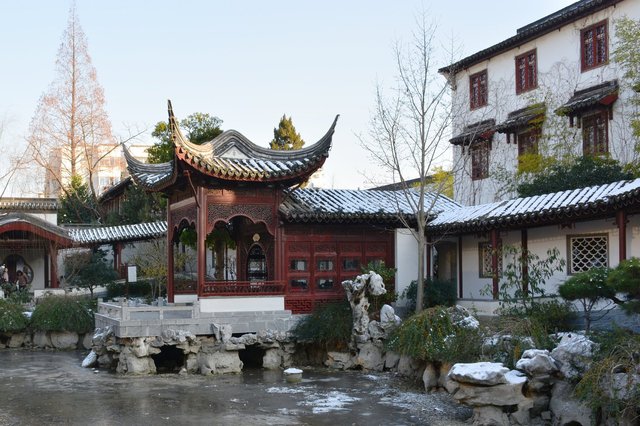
539	208
347	205
106	234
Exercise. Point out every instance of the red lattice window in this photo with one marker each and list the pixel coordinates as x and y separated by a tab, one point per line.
478	93
595	134
593	46
526	72
479	160
486	259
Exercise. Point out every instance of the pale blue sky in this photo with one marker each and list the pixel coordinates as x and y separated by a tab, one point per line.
247	62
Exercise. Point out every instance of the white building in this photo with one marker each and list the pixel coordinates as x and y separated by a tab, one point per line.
552	89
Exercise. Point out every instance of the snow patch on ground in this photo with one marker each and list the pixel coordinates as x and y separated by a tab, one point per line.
332	401
297	389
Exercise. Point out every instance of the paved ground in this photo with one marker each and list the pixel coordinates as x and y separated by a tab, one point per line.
52	388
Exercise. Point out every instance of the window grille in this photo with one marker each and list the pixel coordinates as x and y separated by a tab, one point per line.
486	271
588	251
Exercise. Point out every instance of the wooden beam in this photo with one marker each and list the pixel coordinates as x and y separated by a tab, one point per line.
201	230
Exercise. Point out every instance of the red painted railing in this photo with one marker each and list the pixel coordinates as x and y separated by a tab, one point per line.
243	288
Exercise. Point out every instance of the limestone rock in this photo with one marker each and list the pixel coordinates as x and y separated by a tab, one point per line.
370	356
567	409
219	362
339	360
490	416
64	339
41	339
503	394
391	360
573	354
409	367
90	360
479	373
388	318
461	317
430	377
87	341
272	359
537	362
16	340
376	332
222	332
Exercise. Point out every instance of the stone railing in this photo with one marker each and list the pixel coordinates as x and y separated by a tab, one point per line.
126	312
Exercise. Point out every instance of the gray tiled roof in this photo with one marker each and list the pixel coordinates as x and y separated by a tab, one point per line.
482	130
29	204
540	209
345	205
123	233
589	97
533	30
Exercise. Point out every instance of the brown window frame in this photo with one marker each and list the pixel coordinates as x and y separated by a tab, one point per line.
593	47
530	72
485	249
480	165
590	126
482	97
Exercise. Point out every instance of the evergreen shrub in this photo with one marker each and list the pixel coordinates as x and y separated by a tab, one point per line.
436	293
137	289
432	336
12	317
329	326
63	313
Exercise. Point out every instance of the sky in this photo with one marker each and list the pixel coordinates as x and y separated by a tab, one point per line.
247	62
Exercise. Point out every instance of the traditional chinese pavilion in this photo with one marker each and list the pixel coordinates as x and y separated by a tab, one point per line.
293	246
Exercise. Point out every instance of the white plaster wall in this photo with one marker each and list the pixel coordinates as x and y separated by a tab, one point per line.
540	240
406	258
242	304
559	75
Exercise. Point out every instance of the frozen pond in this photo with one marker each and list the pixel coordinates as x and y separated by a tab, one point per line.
52	388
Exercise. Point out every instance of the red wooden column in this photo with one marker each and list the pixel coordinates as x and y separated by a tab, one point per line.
117	257
53	258
621	219
494	263
170	266
201	230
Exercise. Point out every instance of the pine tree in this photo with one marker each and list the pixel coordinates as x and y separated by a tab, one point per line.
285	137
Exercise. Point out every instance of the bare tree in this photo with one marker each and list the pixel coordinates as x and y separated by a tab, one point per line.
70	133
409	132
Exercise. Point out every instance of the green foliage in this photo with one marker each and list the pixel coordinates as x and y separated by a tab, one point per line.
431	335
523	291
442	181
63	313
588	288
199	128
137	289
89	269
76	204
138	206
572	174
619	355
12	317
436	293
151	261
329	325
285	137
625	278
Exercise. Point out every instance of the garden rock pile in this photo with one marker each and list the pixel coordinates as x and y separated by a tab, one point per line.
207	355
